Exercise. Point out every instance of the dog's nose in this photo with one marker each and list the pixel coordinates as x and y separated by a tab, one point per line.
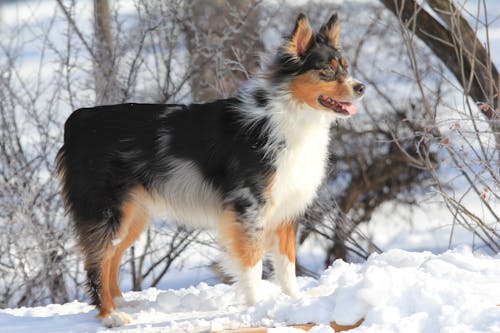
359	88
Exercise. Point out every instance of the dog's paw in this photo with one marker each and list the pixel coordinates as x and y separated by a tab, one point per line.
254	295
116	318
289	285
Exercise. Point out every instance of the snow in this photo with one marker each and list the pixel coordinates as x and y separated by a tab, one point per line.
397	291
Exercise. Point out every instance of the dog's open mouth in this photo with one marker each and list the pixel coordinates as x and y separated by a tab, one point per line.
344	108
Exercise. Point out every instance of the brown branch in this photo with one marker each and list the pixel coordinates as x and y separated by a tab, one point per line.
459	49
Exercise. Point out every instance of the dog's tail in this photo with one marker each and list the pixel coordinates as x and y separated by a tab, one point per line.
94	220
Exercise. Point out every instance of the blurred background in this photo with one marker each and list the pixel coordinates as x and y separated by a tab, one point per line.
417	168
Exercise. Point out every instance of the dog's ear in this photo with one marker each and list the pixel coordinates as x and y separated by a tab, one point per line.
330	32
302	37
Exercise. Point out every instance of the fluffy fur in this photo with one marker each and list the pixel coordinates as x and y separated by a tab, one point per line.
247	166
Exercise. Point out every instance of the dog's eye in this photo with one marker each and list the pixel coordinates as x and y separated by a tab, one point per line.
329	70
328	73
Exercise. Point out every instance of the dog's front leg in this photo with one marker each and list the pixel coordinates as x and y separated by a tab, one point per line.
241	234
282	250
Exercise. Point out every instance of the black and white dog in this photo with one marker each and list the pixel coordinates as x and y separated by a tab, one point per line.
246	166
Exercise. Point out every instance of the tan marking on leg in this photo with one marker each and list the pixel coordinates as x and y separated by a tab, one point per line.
114	286
238	242
134	219
107	303
286	236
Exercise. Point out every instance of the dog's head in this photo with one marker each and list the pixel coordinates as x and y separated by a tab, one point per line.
314	69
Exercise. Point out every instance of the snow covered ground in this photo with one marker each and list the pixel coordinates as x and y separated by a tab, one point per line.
396	291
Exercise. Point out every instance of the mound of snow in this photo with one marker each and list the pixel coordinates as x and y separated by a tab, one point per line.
396	291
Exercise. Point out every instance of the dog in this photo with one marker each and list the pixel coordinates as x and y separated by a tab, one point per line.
246	166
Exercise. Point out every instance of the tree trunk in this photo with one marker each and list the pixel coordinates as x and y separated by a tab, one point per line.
460	50
106	83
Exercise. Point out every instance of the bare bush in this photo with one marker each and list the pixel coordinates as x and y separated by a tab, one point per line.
225	50
468	132
35	243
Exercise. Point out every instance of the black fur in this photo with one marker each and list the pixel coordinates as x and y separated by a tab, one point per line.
109	149
318	57
261	98
94	285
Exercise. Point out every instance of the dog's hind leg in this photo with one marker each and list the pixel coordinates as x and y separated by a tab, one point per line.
97	240
243	243
110	317
98	267
135	218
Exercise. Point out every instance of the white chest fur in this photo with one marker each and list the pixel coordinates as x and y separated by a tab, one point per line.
301	166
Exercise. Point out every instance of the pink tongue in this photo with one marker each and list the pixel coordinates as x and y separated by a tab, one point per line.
351	109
